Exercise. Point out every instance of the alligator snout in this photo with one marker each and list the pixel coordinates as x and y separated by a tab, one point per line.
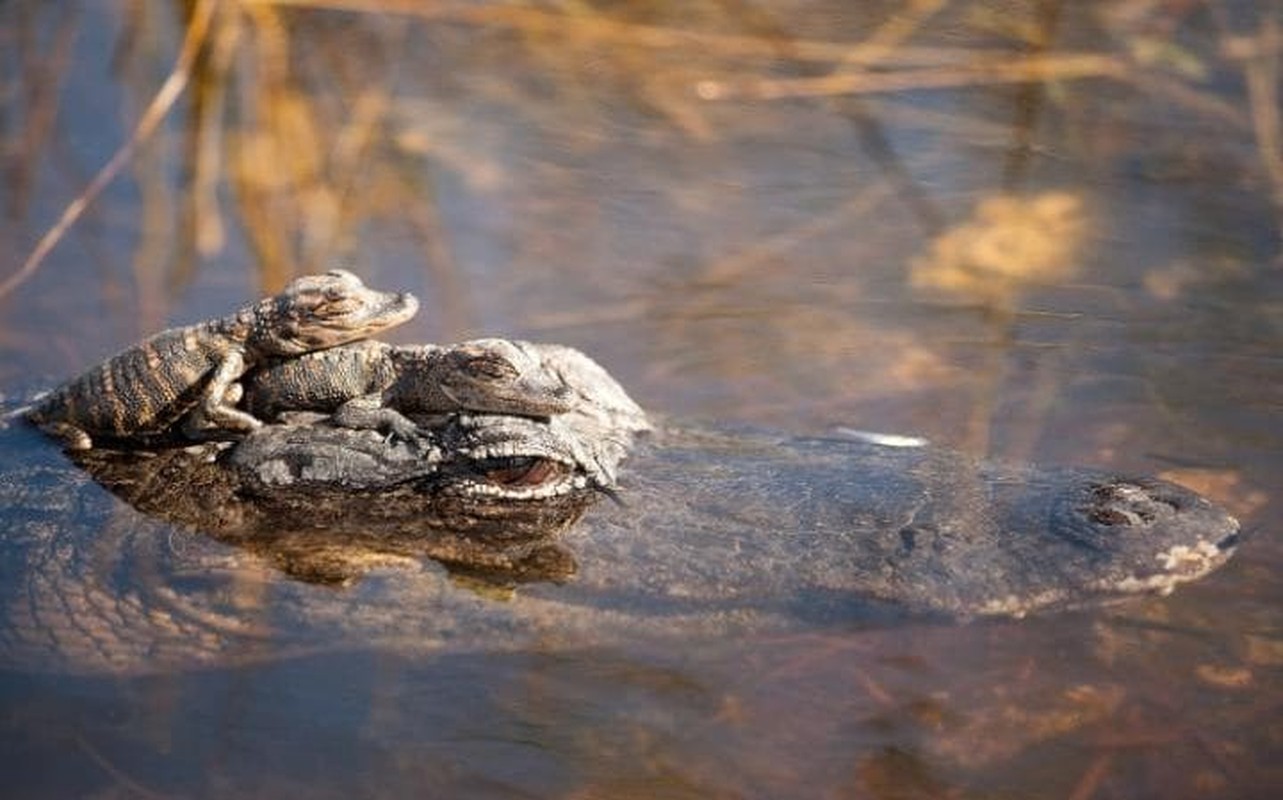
1130	503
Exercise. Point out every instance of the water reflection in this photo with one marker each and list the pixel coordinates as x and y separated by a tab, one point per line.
723	203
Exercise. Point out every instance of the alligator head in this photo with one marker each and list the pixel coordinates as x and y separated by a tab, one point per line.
319	311
501	376
482	494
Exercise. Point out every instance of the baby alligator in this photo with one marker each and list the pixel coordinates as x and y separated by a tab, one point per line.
186	378
372	385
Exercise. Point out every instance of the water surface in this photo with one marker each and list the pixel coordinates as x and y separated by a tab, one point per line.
1032	231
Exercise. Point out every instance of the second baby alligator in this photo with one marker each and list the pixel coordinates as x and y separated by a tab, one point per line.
375	385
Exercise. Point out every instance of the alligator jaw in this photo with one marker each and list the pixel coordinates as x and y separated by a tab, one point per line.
520	478
514	458
1179	564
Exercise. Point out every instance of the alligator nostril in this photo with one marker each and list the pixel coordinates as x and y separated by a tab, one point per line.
1228	543
1126	502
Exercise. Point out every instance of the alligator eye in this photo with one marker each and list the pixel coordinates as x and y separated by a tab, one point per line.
1128	503
337	306
343	275
489	367
524	472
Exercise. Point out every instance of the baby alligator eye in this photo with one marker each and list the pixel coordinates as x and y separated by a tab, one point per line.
337	304
523	471
490	367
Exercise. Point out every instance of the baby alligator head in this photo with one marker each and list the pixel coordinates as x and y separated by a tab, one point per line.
315	312
501	377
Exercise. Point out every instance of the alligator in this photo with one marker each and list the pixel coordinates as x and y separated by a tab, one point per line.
374	385
183	381
487	532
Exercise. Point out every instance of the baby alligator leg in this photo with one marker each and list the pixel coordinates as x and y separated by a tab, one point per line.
368	413
217	413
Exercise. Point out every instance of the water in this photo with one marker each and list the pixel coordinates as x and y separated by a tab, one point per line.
1084	270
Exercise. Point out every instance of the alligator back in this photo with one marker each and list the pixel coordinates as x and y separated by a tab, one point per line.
718	533
320	381
141	391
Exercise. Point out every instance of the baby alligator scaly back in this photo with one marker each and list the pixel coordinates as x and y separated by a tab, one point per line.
187	377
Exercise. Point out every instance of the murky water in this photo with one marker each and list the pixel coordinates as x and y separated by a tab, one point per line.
796	215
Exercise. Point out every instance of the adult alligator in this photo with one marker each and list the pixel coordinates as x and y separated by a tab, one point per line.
184	380
717	531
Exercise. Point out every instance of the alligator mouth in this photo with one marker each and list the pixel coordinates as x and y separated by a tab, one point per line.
523	478
524	471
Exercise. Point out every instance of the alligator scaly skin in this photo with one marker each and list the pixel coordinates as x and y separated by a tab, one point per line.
718	532
186	377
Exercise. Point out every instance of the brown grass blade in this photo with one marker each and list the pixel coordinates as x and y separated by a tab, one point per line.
160	106
1012	70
